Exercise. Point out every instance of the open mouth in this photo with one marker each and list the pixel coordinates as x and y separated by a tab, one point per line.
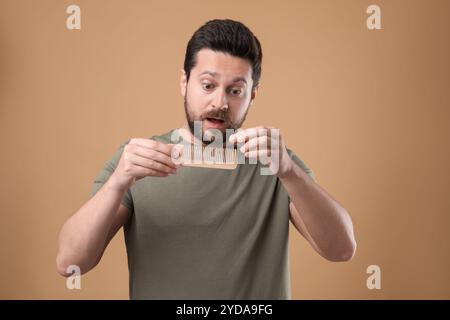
215	120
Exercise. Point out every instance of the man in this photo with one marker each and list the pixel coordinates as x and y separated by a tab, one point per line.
205	233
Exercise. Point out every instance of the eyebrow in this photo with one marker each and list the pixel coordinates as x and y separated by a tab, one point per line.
215	75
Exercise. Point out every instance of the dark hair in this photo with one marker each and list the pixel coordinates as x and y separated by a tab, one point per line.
226	36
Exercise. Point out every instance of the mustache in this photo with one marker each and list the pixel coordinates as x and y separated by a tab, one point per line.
219	114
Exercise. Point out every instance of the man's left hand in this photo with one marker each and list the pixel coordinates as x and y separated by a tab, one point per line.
265	145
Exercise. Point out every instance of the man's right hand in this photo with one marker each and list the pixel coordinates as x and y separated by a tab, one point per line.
142	158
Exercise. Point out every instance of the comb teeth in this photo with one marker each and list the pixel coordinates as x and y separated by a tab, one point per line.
208	157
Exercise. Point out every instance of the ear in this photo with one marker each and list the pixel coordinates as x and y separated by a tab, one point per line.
254	92
183	83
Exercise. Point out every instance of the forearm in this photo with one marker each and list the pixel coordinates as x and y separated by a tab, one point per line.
326	221
83	235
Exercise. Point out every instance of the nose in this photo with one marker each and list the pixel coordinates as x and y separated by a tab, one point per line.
220	100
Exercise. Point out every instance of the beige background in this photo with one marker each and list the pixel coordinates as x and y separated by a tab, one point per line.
367	110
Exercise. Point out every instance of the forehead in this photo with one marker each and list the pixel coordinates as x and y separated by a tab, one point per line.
223	64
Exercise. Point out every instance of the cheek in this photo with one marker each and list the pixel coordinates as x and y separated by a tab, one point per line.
239	109
240	113
197	99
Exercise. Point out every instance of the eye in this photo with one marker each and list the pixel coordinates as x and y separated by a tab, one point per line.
207	86
236	91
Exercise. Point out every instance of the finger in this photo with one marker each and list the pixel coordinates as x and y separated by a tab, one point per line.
150	164
245	135
255	144
260	155
141	172
154	155
231	136
152	144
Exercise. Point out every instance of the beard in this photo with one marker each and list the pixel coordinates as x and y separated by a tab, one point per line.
219	113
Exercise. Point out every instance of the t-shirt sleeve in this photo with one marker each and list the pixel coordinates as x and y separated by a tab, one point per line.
301	164
106	172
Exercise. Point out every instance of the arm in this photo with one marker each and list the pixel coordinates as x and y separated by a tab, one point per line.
315	214
86	234
318	217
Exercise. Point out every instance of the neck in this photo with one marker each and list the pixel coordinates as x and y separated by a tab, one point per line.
187	135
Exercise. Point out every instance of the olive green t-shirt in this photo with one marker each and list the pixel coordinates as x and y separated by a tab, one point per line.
206	233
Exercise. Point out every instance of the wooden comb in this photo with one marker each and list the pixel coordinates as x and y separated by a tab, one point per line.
207	157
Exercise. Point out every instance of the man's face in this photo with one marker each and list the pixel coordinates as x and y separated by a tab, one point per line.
219	91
